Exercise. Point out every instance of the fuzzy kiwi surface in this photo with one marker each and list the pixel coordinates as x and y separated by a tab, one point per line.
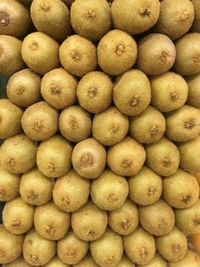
193	91
56	262
18	263
87	262
157	261
196	23
190	260
125	262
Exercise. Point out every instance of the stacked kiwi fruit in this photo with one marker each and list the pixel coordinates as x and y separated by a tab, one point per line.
100	132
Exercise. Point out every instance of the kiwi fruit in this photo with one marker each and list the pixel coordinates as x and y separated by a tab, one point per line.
89	222
196	23
14	18
109	191
18	263
71	249
94	91
89	158
51	222
32	252
87	262
188	219
169	91
173	246
190	155
125	262
163	157
40	121
78	55
157	218
180	190
58	88
132	93
9	185
124	220
91	19
56	262
10	118
187	54
36	48
143	15
145	187
110	126
193	91
54	156
190	260
117	52
75	123
140	246
157	261
35	188
127	157
107	250
10	51
10	246
18	216
71	192
157	48
175	18
52	18
23	88
18	154
148	127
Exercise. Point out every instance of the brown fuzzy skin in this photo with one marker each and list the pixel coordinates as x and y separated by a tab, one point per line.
52	18
32	252
173	246
78	55
35	188
10	119
193	91
188	220
23	88
107	251
58	88
10	51
18	216
71	192
140	246
183	124
110	126
158	218
190	260
56	262
87	262
127	157
157	48
174	91
188	54
144	14
18	263
175	18
50	222
125	262
145	191
196	23
40	121
72	250
75	123
36	48
124	220
89	158
109	191
117	52
148	127
132	92
89	222
10	246
18	154
163	157
14	18
157	261
94	91
9	185
190	155
91	19
180	190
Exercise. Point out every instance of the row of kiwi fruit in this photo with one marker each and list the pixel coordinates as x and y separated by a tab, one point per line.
100	133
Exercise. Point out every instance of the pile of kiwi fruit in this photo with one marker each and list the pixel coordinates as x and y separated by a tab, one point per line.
99	133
